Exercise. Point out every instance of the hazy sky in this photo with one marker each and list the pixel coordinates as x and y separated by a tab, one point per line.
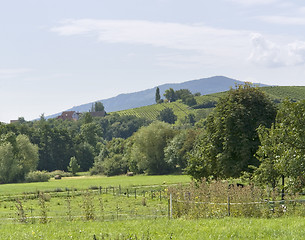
55	54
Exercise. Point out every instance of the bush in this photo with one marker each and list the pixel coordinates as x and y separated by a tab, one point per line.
60	173
37	176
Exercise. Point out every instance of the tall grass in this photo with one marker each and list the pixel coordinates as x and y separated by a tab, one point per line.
220	199
226	228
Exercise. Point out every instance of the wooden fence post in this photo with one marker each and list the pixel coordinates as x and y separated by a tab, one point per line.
170	206
229	213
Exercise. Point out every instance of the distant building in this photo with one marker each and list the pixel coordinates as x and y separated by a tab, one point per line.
69	115
14	121
72	115
98	114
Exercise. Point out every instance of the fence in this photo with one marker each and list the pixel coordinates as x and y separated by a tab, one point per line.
220	199
96	203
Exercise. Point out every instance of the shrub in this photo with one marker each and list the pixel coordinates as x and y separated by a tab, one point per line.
37	176
60	173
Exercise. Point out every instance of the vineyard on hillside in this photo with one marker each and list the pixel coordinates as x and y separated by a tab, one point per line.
280	93
151	112
206	103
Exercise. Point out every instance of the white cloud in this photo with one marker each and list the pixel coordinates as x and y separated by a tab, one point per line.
253	2
270	54
196	37
13	72
283	20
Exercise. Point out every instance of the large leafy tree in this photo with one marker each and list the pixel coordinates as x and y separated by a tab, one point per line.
282	152
18	156
111	159
170	95
148	148
176	152
231	140
167	115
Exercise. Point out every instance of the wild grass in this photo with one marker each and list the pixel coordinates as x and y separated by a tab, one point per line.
120	214
219	199
226	228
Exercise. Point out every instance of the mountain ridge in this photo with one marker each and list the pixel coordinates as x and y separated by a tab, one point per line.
146	97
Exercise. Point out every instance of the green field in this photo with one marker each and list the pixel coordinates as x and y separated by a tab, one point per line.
122	213
227	228
151	112
84	182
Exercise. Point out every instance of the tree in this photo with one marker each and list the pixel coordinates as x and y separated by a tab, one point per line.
176	152
167	115
9	168
170	95
231	140
91	133
282	148
148	147
157	97
98	107
18	156
85	154
87	118
110	160
116	126
73	167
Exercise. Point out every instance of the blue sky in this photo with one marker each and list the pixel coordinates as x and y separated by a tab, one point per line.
55	54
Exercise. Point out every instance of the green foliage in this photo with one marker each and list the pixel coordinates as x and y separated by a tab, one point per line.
152	112
148	147
167	115
282	148
186	96
98	107
18	156
157	97
73	167
91	133
86	118
37	176
110	160
280	93
9	168
60	173
85	154
121	126
170	95
230	140
176	152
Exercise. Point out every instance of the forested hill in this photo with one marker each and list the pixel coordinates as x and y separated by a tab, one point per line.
147	97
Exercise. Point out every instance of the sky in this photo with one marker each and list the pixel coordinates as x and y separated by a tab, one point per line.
56	54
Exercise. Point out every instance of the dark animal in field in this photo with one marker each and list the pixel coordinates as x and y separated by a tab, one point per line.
240	185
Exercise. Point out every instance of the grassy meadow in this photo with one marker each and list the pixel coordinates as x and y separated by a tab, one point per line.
84	182
226	228
122	213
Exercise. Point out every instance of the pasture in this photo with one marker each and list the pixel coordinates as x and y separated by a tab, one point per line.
121	207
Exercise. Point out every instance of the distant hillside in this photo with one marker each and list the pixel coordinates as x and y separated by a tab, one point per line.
147	97
151	112
279	93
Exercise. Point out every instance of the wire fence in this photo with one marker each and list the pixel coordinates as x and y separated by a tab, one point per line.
96	203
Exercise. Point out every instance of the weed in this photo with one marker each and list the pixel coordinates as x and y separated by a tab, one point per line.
20	212
43	208
88	206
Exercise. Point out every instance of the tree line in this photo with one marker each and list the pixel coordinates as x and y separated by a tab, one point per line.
245	135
